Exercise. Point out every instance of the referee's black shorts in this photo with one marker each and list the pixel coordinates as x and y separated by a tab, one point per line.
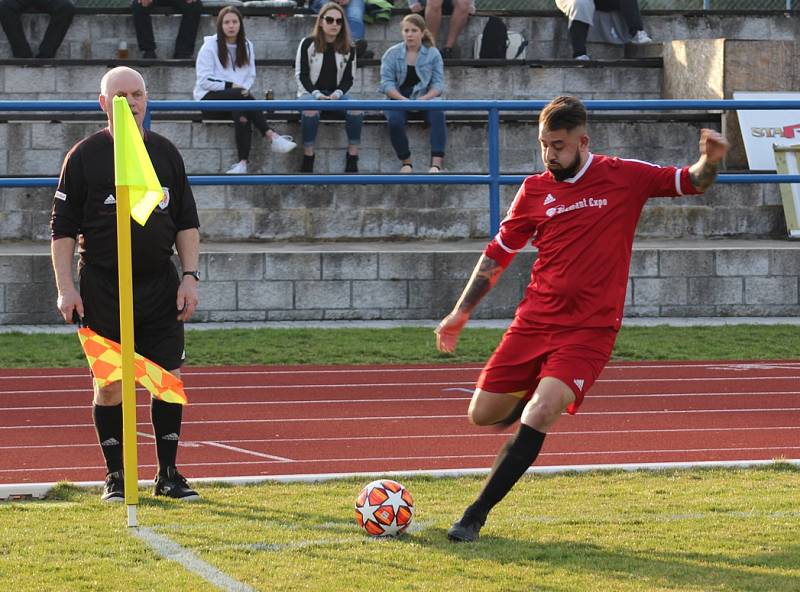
158	334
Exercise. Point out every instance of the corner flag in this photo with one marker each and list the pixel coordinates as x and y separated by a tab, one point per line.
132	165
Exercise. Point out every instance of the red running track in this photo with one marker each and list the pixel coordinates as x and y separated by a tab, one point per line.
268	421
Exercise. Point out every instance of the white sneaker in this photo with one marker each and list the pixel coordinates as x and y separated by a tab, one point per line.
583	58
240	168
641	37
283	144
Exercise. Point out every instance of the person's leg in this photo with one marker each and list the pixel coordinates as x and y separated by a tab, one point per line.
107	416
309	126
578	32
143	26
243	132
187	32
398	137
550	399
166	419
436	120
354	12
11	21
458	20
629	9
61	14
433	17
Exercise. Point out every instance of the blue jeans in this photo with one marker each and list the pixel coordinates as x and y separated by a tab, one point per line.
309	124
354	12
397	132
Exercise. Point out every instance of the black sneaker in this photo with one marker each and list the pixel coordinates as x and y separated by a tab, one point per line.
114	489
173	484
466	530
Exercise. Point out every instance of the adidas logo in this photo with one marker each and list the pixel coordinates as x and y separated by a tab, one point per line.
579	383
172	436
110	442
110	200
549	199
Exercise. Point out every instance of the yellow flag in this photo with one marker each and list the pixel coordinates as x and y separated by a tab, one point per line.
132	166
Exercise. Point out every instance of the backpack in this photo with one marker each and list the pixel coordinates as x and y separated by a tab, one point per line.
498	43
377	10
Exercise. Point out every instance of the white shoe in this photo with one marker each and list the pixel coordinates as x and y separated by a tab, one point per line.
240	168
641	37
582	58
283	144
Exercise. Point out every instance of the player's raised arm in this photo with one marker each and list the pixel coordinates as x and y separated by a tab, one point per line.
483	278
713	148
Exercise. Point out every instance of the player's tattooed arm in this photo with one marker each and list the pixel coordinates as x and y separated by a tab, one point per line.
484	277
703	174
713	148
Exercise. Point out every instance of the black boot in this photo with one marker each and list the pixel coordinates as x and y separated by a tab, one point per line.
351	165
362	53
308	164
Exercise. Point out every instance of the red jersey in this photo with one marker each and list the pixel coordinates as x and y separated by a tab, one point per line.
583	228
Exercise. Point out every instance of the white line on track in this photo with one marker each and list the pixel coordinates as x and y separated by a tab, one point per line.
720	365
403	418
736	379
491	434
432	399
444	457
172	551
245	451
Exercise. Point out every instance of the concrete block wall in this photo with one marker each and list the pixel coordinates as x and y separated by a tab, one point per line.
750	280
424	282
98	36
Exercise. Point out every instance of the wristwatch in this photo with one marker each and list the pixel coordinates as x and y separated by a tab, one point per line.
194	274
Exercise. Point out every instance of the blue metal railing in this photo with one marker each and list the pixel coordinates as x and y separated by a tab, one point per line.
494	179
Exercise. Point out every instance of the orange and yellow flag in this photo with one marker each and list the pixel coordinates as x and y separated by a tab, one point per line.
105	360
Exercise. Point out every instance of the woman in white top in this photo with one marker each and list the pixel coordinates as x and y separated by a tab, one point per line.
226	69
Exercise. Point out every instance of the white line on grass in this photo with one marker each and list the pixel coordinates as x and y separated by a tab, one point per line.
171	550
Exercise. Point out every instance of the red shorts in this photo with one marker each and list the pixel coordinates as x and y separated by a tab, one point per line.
527	354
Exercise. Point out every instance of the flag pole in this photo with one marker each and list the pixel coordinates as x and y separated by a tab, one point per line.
130	462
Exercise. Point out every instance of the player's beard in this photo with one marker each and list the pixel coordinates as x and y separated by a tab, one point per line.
561	173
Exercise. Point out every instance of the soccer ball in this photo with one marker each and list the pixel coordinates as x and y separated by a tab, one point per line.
384	508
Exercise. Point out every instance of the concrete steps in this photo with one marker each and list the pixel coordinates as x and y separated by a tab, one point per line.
98	36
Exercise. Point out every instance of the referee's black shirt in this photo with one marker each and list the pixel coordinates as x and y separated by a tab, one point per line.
84	205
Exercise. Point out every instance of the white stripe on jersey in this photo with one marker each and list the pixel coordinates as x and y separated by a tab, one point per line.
517	197
678	181
504	247
652	164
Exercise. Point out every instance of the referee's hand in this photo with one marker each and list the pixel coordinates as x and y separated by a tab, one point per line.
187	298
448	331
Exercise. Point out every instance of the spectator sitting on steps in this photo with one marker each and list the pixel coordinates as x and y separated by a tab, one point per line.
459	11
354	11
61	13
324	69
184	42
581	15
226	69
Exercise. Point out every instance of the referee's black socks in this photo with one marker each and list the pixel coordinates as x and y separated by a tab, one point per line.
108	424
514	458
166	419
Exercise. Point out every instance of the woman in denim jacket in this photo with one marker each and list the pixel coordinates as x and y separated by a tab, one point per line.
414	70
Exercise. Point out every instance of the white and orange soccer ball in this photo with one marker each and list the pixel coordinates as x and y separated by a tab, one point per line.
384	508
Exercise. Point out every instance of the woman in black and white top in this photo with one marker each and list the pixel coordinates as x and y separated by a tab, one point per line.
226	69
324	69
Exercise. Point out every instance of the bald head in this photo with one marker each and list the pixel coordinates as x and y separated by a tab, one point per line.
121	75
123	82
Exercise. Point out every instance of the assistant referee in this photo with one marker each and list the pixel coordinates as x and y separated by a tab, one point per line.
84	212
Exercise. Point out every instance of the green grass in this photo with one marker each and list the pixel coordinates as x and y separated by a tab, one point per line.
702	530
411	346
699	530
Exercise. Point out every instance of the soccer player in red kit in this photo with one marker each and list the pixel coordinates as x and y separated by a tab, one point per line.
581	215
